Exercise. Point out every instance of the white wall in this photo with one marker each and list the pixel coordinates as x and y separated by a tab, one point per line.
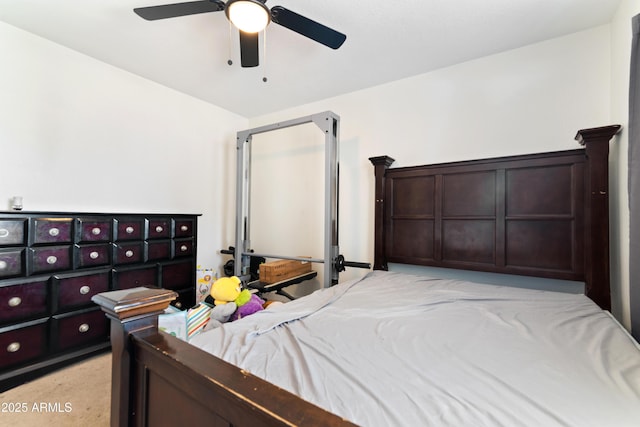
79	135
526	100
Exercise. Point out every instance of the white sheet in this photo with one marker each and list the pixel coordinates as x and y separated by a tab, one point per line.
401	350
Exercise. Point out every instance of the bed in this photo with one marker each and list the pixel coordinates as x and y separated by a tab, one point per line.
439	351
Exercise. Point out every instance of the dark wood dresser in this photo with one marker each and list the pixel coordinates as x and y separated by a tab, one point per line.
52	263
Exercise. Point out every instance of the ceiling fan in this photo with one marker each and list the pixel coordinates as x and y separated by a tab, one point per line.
250	17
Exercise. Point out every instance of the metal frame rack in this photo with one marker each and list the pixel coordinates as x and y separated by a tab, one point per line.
329	123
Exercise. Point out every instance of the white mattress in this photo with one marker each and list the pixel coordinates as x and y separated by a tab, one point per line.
399	350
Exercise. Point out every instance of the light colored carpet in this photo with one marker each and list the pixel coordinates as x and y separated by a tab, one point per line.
78	395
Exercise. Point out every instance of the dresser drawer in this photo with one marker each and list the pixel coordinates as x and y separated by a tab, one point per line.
183	228
73	290
11	262
158	249
130	278
75	330
182	247
129	229
23	299
12	232
50	258
178	275
93	255
23	342
91	230
128	253
159	229
51	230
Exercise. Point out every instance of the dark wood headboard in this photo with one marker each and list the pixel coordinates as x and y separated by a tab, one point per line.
544	215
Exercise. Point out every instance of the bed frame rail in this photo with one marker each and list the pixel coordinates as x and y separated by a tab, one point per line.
158	379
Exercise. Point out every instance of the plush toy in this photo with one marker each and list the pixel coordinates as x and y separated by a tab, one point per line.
252	305
231	302
225	290
243	298
220	314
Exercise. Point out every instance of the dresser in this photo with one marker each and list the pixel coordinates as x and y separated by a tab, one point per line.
52	263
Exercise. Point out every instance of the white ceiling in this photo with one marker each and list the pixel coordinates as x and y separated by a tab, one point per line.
386	41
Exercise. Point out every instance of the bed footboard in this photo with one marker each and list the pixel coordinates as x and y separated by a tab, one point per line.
158	379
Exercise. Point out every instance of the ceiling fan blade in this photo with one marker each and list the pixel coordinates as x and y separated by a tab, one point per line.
249	49
307	27
151	13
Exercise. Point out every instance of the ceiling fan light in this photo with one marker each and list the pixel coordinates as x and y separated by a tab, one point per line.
250	16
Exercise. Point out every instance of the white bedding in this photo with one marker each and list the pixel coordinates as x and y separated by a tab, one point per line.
399	350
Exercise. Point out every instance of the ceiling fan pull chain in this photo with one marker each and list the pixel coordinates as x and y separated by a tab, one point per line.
264	53
229	61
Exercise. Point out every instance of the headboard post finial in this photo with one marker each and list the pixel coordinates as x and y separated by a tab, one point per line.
380	163
596	143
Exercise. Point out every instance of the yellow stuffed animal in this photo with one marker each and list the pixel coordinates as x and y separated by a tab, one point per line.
225	289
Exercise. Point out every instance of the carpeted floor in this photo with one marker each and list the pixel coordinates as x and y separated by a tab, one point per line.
78	395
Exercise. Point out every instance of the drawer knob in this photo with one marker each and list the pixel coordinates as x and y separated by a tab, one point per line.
96	231
184	228
15	301
4	232
85	290
128	253
129	230
53	232
13	347
94	255
3	265
52	259
83	328
159	229
184	248
178	304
